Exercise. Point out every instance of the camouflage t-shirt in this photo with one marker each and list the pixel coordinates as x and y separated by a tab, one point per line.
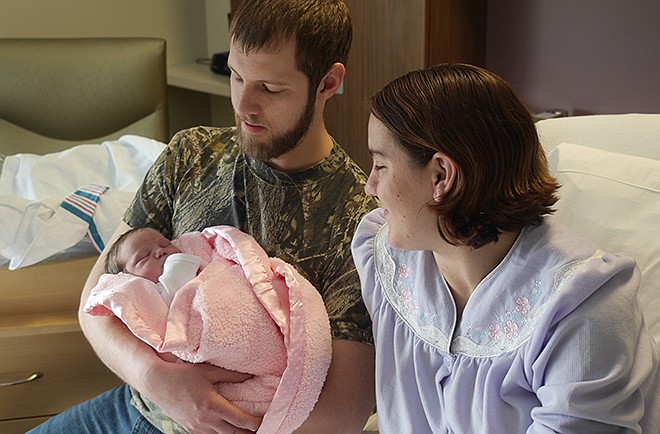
305	218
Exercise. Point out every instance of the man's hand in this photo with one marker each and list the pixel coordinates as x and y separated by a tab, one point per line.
186	392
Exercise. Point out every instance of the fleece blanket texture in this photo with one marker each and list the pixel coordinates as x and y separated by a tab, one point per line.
245	312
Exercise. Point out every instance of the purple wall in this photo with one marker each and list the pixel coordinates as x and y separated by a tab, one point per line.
584	56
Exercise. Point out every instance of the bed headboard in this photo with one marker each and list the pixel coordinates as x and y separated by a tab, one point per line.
56	93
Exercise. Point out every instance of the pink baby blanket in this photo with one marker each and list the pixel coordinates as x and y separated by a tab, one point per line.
245	312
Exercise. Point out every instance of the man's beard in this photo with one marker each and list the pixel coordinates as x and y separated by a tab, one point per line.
276	146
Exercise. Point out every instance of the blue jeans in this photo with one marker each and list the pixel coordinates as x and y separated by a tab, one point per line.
111	412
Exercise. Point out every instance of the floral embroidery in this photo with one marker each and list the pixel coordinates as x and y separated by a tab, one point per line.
507	325
536	292
408	303
511	329
494	331
523	305
426	318
403	271
406	294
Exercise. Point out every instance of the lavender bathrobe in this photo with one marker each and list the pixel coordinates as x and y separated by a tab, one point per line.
552	340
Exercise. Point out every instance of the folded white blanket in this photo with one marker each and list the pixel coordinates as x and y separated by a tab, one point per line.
33	231
33	187
119	164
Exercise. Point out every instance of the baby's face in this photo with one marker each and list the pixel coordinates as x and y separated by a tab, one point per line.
144	253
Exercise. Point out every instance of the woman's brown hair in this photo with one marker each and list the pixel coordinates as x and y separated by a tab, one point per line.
472	115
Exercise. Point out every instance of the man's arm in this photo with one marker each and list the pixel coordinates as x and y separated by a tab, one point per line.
348	396
184	391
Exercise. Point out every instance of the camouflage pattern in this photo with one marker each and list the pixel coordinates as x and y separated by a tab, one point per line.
305	218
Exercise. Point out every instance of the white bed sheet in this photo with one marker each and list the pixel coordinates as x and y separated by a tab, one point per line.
34	225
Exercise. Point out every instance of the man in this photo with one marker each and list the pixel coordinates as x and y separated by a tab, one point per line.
278	176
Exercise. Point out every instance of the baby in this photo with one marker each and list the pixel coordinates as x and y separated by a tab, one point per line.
145	252
226	303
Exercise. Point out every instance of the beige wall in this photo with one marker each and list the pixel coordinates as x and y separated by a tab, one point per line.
182	23
590	56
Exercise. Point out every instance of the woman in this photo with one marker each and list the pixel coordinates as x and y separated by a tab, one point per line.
488	314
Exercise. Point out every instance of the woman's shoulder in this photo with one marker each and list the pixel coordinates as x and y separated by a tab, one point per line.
362	245
367	229
549	276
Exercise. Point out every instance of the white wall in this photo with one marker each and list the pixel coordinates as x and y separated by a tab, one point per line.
585	56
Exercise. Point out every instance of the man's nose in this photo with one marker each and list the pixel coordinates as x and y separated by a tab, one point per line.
246	102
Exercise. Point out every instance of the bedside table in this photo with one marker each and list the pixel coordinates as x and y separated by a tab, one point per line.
46	364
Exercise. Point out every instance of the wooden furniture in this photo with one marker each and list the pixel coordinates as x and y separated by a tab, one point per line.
390	38
46	365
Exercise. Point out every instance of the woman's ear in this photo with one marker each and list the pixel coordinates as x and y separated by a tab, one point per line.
445	172
331	81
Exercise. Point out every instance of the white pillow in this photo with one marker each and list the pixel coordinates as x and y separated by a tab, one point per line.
633	133
614	200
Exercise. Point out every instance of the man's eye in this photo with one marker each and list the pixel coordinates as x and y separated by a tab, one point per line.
268	89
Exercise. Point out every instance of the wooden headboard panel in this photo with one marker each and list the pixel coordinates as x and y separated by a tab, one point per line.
56	93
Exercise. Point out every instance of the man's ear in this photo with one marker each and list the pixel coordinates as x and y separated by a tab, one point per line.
331	81
445	173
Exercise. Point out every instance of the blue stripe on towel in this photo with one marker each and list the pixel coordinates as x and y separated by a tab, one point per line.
87	218
95	237
82	204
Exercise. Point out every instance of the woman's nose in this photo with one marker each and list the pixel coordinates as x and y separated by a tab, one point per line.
370	186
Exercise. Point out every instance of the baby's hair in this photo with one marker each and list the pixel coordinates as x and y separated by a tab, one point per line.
112	263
